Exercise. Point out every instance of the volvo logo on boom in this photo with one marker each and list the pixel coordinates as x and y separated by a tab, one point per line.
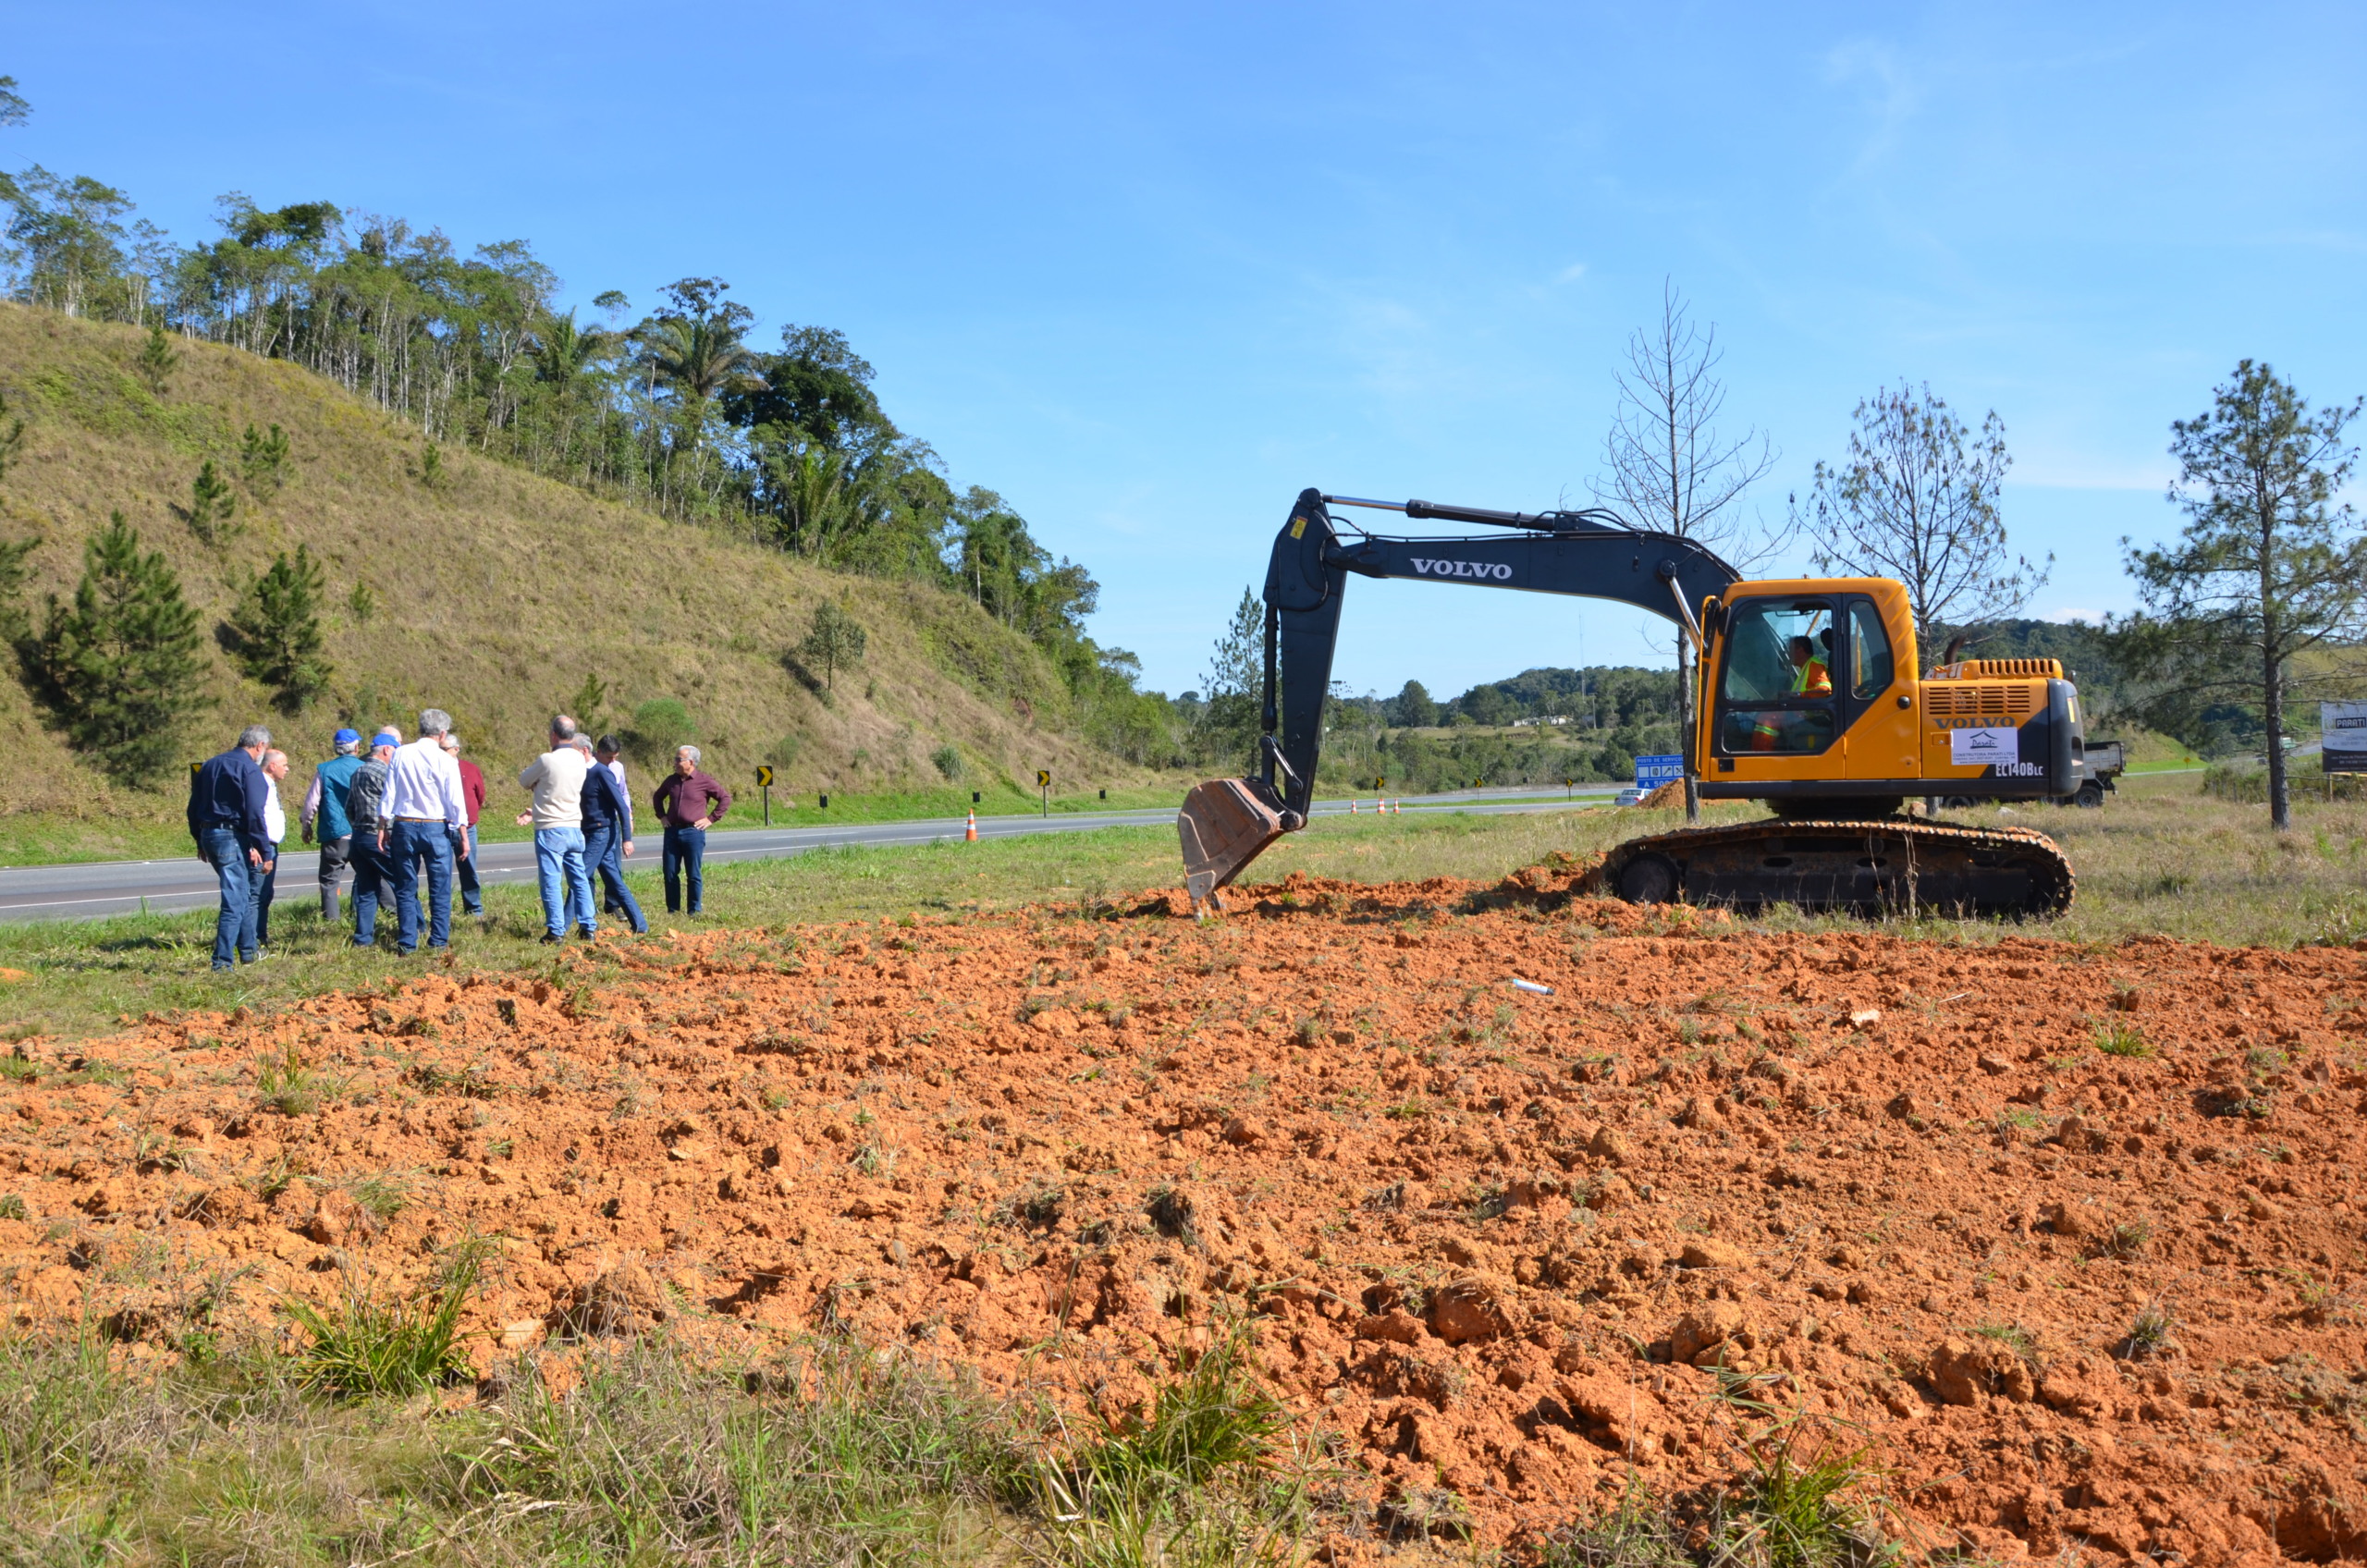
1461	569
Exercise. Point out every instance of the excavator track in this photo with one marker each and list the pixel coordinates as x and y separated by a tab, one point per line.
1878	866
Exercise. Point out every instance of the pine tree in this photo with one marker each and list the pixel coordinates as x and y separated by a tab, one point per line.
1231	723
835	639
587	706
157	358
211	504
120	668
264	459
362	604
276	632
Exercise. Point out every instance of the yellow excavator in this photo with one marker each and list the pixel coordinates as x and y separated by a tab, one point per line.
1808	699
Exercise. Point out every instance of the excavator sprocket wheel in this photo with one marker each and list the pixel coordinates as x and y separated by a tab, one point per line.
1885	865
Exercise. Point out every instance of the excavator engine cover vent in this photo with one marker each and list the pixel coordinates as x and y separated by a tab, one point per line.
2010	670
1946	700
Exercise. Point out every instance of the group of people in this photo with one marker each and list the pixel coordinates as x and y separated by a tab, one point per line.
396	811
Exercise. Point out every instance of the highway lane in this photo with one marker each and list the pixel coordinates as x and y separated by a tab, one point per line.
98	889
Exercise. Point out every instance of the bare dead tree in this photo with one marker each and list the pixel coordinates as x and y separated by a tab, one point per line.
1669	468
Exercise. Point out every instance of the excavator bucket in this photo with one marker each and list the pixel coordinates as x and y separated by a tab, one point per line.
1225	824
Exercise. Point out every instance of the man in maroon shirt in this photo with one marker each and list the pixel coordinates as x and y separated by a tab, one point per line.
472	796
689	802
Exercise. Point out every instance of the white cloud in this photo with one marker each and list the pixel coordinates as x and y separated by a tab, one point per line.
1571	273
2071	613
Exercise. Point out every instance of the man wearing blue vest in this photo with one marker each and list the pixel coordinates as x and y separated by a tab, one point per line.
325	810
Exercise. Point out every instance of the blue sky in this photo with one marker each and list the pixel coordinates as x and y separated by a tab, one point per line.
1148	271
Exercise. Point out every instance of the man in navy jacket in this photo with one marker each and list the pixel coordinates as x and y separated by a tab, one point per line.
225	817
607	834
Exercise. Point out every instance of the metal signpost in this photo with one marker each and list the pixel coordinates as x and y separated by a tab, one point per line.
1044	782
764	782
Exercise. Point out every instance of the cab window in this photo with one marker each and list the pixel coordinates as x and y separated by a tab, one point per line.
1871	665
1776	689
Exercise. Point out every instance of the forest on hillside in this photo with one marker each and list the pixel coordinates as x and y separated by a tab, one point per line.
674	407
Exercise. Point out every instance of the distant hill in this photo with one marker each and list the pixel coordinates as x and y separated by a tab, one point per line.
496	593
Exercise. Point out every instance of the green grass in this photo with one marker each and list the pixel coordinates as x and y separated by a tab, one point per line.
825	1453
2243	885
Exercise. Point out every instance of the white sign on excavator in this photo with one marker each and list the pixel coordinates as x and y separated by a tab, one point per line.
1984	745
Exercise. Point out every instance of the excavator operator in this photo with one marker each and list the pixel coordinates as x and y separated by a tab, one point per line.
1811	675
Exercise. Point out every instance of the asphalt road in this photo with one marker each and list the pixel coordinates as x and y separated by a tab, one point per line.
95	889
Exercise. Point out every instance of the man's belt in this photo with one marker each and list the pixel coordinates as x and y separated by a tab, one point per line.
434	819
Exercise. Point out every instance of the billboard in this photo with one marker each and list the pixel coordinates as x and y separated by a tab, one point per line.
2345	735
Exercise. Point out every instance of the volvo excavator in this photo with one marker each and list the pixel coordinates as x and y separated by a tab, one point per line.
1808	699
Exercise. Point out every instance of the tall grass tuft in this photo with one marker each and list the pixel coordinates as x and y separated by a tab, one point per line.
1193	1479
400	1345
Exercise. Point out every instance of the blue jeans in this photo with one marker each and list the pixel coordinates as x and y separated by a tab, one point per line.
234	926
373	880
264	879
406	845
465	868
685	849
604	851
566	885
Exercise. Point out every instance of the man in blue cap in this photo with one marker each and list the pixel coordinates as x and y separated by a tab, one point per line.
325	809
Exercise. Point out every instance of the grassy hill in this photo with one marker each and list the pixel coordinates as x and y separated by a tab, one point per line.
497	593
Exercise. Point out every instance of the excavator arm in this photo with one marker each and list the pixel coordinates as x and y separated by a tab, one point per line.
1227	823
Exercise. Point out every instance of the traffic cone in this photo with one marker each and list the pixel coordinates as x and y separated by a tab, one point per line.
1351	805
970	834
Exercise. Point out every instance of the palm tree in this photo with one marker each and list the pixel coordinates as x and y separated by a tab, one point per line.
694	349
564	352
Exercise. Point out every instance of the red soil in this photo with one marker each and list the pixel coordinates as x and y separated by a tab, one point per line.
1492	1239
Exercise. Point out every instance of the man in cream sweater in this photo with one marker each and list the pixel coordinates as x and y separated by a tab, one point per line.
556	780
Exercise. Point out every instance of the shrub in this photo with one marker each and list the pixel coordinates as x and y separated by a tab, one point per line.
949	763
660	726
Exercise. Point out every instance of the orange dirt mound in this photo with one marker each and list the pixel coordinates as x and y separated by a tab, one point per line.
1665	797
1497	1242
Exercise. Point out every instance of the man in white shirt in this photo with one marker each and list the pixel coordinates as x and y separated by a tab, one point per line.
556	780
275	826
425	811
